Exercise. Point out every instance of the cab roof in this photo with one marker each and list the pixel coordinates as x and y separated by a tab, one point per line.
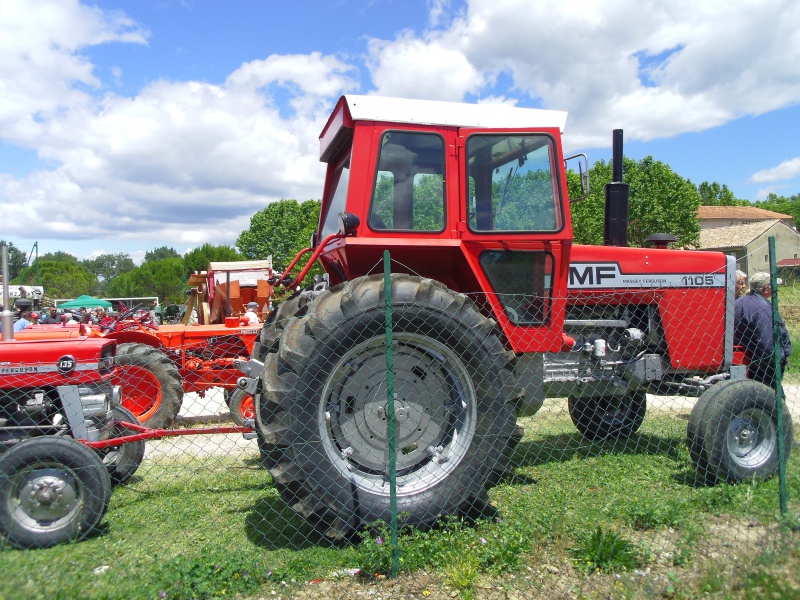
351	108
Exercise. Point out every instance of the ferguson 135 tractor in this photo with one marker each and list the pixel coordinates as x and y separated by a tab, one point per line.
493	310
57	410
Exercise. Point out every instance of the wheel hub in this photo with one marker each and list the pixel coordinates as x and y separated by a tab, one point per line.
433	402
47	495
751	438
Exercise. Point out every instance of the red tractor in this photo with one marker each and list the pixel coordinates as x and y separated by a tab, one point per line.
158	364
56	401
493	310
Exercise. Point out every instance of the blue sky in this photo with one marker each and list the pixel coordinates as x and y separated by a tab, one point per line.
125	126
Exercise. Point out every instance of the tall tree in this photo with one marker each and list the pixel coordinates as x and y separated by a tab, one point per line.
788	205
198	259
165	278
714	194
280	230
160	253
16	260
59	256
661	201
108	266
62	279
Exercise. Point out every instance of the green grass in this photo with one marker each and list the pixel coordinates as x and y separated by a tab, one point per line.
215	527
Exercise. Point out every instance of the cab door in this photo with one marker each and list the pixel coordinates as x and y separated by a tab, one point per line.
515	230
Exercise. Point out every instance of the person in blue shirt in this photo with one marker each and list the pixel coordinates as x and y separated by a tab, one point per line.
753	330
23	322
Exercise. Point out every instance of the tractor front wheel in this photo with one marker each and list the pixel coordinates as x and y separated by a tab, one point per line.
323	406
602	418
740	438
152	388
52	490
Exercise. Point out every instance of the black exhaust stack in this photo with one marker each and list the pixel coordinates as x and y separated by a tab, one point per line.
615	225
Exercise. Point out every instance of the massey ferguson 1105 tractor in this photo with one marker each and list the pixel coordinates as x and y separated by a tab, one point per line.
493	309
56	401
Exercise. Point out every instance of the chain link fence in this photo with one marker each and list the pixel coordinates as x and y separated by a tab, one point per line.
629	463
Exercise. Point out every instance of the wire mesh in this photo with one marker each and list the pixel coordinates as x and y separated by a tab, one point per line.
631	462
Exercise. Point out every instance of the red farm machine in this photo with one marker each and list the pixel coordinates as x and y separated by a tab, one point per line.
493	308
58	410
158	364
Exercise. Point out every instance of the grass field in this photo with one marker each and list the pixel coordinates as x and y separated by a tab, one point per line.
576	519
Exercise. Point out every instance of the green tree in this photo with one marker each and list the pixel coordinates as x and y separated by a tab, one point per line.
165	278
16	260
714	194
108	266
160	253
788	205
661	201
59	256
281	230
62	279
198	259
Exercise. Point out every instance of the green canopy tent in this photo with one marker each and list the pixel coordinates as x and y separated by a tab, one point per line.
87	301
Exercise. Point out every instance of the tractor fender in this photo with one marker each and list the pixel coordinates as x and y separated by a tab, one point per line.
136	337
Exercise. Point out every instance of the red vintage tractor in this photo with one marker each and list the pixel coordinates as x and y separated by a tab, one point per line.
493	308
56	401
157	364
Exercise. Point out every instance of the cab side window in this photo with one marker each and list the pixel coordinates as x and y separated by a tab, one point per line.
409	189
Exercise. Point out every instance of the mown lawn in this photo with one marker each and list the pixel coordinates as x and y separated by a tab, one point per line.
616	519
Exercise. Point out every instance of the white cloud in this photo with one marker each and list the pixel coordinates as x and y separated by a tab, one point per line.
656	69
788	169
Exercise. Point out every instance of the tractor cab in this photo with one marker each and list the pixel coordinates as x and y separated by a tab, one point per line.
472	196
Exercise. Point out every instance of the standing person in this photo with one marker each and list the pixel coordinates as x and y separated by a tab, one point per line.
250	315
741	283
52	317
753	330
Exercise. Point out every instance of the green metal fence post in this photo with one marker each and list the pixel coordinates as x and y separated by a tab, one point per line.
776	354
390	423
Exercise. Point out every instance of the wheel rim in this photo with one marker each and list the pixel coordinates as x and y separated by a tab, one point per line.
141	390
45	496
751	438
435	414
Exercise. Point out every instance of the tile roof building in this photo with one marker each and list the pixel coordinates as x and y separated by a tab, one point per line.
744	231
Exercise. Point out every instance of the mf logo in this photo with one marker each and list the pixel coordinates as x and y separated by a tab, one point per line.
583	275
66	364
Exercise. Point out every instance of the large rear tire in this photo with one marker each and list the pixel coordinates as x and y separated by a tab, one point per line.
152	388
324	398
600	418
52	490
741	432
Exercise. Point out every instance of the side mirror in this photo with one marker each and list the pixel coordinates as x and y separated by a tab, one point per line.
583	173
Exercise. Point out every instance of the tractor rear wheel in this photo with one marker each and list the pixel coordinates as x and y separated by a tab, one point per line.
601	418
152	388
52	490
741	432
323	405
123	461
